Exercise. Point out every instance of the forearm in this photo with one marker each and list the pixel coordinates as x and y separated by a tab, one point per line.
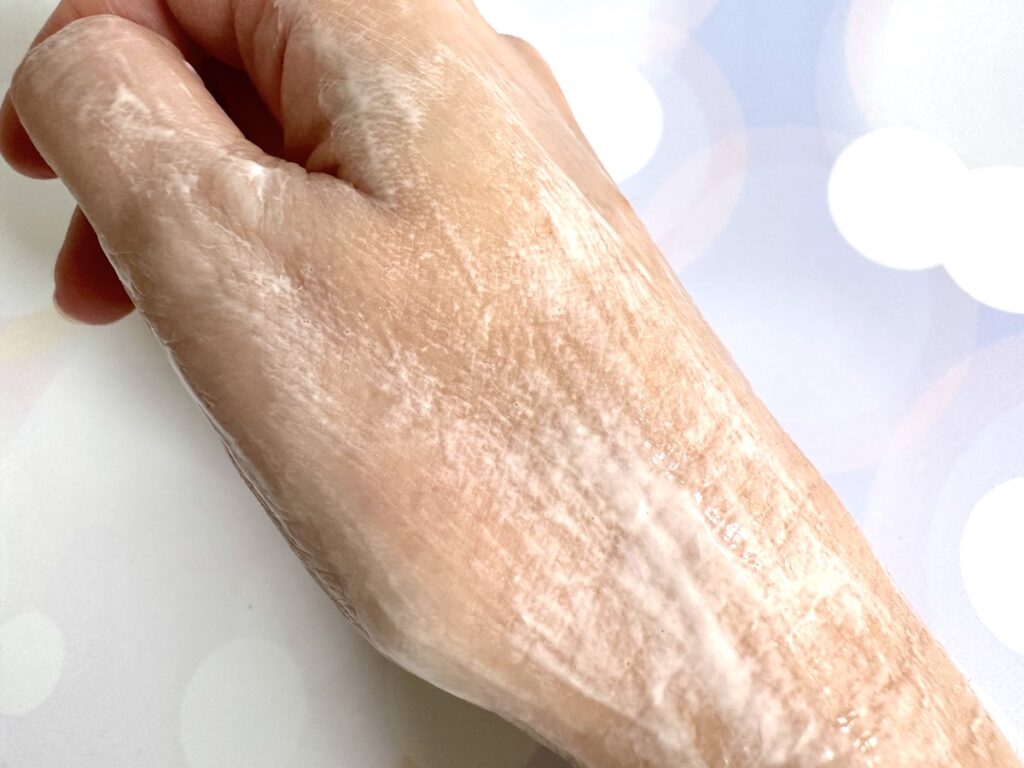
762	630
682	586
774	634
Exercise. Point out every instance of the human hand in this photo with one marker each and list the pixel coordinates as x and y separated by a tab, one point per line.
452	365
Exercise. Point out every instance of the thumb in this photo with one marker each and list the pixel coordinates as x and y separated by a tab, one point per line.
182	202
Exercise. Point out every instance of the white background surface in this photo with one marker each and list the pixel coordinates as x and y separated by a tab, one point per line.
151	615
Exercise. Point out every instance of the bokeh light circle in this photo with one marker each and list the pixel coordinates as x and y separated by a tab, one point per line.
893	195
145	548
987	259
31	662
952	68
992	561
617	109
926	525
244	705
904	200
840	347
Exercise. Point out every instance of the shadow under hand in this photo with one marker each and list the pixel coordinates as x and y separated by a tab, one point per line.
438	730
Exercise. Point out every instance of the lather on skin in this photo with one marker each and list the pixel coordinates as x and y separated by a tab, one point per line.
449	360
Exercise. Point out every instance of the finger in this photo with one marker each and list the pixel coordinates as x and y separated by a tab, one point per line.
87	288
163	175
351	102
15	145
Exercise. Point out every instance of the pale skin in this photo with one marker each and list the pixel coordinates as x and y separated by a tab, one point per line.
449	360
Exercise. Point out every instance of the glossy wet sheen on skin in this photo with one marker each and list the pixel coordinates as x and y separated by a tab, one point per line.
475	399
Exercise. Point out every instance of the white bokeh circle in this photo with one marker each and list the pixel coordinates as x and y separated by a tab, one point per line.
988	258
617	108
861	342
245	705
903	199
893	195
991	561
614	103
123	517
699	175
638	30
31	662
919	515
950	67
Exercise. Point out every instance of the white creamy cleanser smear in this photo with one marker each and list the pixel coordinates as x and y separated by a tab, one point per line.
502	438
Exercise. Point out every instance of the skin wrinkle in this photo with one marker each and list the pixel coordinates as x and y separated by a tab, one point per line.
481	410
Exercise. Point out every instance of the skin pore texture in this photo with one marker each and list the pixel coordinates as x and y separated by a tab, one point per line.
452	365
